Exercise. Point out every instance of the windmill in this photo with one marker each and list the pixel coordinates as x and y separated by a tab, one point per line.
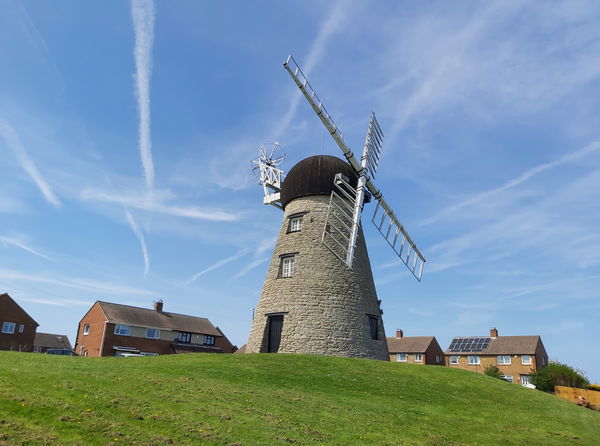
319	296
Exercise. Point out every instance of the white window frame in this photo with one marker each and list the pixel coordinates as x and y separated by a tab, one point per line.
527	378
453	360
474	360
21	328
86	329
418	357
287	266
507	378
156	333
123	330
295	223
502	360
401	357
209	340
529	362
37	349
8	327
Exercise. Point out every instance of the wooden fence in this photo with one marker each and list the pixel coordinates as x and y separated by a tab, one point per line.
573	393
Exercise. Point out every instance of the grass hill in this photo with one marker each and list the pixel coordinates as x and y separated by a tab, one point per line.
273	399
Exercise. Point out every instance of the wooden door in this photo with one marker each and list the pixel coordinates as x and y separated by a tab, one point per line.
274	333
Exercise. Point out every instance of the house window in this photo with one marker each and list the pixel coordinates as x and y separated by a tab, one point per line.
37	349
374	327
21	328
507	378
401	357
286	268
544	361
504	360
122	330
209	340
295	224
526	359
418	357
438	359
473	360
453	359
86	329
152	333
525	381
185	338
8	327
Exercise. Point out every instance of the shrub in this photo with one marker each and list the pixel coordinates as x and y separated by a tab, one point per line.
493	371
558	374
594	387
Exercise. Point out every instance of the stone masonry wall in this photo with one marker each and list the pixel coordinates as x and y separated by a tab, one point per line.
325	305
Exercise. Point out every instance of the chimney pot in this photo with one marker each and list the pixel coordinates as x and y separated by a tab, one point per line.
158	305
494	332
399	333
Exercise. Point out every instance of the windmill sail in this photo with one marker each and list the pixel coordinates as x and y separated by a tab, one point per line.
406	249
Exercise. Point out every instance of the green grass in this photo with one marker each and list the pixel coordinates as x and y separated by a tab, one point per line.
273	399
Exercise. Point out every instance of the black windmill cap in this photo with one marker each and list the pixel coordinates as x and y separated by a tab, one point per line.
315	176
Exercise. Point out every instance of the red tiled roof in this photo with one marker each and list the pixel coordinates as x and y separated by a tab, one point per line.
143	317
49	340
409	344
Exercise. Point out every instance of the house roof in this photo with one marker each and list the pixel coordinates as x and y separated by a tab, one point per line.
409	344
7	301
49	340
143	317
504	345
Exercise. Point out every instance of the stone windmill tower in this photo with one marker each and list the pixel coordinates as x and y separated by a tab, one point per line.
319	296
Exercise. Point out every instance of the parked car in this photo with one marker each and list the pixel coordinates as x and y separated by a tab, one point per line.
60	351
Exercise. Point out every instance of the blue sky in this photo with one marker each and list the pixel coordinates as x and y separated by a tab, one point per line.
127	130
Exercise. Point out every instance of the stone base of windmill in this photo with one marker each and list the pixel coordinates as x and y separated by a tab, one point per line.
324	308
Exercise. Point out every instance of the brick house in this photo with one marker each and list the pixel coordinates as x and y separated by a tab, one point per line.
516	356
110	329
44	341
17	329
415	349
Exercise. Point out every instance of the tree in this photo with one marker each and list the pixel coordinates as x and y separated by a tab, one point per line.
493	371
558	374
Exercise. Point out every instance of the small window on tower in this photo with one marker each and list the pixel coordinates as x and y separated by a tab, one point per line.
374	327
287	266
295	224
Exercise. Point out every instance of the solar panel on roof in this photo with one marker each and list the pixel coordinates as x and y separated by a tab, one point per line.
469	344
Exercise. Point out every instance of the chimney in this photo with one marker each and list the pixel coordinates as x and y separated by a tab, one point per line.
399	333
158	305
494	333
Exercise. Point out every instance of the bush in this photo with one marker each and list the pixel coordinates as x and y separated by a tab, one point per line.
594	387
558	374
493	371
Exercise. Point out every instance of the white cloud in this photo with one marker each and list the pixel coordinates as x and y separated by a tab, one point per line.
14	143
140	237
90	285
156	205
142	12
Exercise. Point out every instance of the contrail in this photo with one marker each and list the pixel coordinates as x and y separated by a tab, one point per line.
140	236
515	181
332	23
14	143
220	263
142	12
